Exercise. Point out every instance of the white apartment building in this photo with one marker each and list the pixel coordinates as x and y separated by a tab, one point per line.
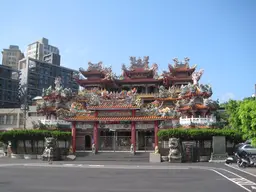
40	48
14	119
11	56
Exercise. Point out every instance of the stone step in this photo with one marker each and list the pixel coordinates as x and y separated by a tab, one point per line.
112	156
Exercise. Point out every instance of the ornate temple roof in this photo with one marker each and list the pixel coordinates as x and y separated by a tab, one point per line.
93	68
180	66
139	69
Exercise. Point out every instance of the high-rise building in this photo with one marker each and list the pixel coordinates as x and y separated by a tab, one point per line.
11	56
52	58
9	85
38	75
41	48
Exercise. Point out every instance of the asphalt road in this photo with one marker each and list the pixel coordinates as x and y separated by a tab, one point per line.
49	178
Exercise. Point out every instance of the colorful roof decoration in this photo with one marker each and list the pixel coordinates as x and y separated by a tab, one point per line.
55	98
170	102
97	98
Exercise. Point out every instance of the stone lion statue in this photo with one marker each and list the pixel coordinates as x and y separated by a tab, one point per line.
50	148
175	150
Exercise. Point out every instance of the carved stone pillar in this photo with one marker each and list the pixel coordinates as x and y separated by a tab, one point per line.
156	131
73	137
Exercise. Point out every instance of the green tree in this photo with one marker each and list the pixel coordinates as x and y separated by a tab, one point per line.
247	117
232	110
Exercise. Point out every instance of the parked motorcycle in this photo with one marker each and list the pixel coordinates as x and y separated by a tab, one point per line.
244	160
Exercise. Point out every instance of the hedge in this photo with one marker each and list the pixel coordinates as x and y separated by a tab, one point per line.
200	134
34	135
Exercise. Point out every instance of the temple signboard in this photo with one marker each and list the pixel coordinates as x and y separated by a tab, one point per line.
81	125
144	125
114	114
115	126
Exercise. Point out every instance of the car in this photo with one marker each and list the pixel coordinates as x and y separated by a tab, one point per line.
246	146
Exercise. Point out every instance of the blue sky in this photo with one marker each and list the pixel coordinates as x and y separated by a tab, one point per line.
219	36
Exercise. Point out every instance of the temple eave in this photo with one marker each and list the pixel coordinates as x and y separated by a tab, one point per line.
143	80
144	118
182	70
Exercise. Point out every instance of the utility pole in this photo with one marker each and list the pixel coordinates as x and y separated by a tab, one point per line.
24	105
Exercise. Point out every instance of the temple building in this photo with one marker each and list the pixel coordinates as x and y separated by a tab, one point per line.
120	113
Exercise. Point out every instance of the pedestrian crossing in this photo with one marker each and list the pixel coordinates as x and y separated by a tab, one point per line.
243	181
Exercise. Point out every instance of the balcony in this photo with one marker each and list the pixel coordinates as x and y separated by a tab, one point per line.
54	122
198	121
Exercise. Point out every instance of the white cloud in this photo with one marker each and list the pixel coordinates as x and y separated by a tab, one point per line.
226	97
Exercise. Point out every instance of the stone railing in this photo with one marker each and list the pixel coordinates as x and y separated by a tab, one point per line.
200	120
54	122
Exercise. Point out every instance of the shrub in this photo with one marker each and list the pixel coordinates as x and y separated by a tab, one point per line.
34	135
200	134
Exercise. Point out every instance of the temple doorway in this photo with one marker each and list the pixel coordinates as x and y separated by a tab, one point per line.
115	140
145	140
88	141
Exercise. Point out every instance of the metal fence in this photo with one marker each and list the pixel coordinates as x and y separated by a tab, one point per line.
123	143
114	143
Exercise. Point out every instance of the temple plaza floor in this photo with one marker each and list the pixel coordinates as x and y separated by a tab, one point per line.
30	176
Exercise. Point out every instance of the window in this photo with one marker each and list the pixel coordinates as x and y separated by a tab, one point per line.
1	119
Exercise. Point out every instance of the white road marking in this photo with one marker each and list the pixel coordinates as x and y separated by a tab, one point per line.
10	164
96	165
243	181
241	170
231	180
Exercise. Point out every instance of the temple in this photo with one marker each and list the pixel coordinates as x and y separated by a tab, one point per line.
124	113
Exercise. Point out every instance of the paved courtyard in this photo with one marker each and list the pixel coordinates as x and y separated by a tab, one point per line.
124	178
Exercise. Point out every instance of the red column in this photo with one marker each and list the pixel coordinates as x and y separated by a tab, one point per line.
73	137
133	131
133	135
95	136
156	131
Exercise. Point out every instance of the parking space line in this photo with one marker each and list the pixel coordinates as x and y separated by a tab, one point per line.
232	180
240	170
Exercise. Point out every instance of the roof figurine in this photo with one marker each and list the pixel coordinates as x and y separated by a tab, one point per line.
139	63
181	65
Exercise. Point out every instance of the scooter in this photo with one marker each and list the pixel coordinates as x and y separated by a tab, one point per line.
229	160
244	162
